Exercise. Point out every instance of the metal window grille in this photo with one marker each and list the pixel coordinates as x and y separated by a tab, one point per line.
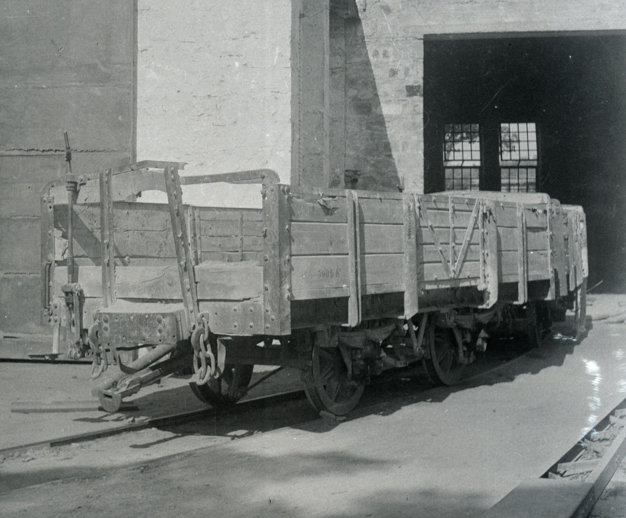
518	157
461	157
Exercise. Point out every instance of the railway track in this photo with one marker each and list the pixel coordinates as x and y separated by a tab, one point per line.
170	420
393	384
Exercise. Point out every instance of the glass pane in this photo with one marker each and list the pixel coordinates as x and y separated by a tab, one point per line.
461	155
518	146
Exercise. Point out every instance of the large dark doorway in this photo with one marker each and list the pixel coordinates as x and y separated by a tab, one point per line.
572	89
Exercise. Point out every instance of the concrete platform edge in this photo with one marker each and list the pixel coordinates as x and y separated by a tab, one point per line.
546	498
542	497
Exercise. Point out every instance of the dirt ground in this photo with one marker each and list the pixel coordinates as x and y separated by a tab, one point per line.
31	383
390	459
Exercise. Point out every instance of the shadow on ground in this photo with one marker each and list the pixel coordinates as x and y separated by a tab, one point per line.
386	395
233	483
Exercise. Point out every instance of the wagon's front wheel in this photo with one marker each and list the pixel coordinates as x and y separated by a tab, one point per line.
327	383
228	389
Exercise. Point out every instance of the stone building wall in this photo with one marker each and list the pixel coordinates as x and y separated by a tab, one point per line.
64	65
384	51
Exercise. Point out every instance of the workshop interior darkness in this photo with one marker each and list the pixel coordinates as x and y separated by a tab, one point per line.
563	96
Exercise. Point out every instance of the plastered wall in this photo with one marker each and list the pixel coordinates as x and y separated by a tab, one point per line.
64	65
214	88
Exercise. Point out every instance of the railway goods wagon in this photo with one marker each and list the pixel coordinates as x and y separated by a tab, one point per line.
340	284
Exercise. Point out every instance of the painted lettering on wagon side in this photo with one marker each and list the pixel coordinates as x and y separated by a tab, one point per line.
328	273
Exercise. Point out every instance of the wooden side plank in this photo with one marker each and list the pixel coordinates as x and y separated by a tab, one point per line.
215	282
331	238
234	281
506	215
536	239
433	234
229	214
322	272
319	238
323	209
233	227
157	244
442	236
537	263
332	209
127	215
232	244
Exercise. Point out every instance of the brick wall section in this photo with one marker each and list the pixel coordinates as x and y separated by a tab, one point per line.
65	65
384	68
214	85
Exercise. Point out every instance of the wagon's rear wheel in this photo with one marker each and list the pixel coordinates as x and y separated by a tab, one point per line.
327	383
228	389
444	367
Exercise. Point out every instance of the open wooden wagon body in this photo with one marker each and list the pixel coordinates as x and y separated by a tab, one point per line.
340	284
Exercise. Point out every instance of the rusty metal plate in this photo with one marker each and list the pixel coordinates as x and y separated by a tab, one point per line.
132	328
235	318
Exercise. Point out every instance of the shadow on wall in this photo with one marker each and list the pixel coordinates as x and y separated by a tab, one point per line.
369	161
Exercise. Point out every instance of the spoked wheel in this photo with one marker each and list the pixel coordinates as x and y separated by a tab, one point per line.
228	389
580	310
444	367
327	384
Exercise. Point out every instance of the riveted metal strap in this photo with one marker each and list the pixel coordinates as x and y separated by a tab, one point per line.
181	243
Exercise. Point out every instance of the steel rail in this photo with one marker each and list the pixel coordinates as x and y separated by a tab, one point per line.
246	405
155	422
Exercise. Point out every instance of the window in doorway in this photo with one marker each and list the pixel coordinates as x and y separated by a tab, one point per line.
518	157
461	157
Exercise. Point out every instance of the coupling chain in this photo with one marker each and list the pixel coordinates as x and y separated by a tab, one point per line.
201	353
100	362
